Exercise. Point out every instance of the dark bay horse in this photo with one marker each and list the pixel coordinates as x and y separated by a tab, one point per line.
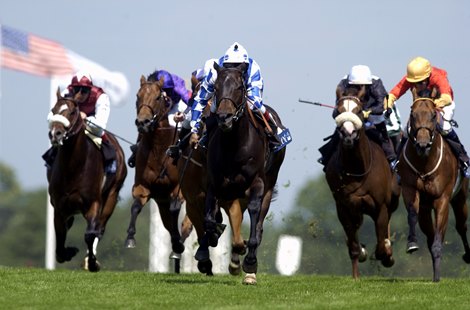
239	163
156	177
430	180
78	183
361	181
193	176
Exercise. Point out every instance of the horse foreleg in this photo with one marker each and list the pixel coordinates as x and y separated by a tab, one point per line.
250	263
136	208
61	226
235	216
412	244
169	211
351	223
383	251
92	234
210	224
459	205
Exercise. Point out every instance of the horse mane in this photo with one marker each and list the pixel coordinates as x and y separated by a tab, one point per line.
153	77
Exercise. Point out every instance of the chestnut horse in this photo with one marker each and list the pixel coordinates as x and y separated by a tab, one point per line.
78	182
430	180
239	163
193	176
156	177
361	181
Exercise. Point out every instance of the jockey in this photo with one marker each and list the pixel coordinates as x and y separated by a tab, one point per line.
422	75
175	89
94	106
234	56
373	110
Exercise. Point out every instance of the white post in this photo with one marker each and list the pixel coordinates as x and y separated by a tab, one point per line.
160	243
289	252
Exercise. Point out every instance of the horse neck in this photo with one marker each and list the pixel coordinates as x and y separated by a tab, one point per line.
75	150
358	157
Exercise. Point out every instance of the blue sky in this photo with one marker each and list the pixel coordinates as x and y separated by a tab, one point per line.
302	47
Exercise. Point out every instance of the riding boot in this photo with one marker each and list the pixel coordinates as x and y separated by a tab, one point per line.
109	156
211	123
131	160
459	150
49	156
273	138
175	150
399	150
328	148
386	144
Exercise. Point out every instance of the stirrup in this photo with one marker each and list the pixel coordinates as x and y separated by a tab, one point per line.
394	164
465	170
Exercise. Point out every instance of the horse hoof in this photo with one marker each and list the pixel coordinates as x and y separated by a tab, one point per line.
250	279
178	247
466	258
412	247
91	265
130	243
363	255
388	262
66	255
174	255
205	267
234	268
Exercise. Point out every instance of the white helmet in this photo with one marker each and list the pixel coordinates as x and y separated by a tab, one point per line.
360	75
236	54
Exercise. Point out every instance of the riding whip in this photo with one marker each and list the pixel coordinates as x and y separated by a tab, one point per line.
317	103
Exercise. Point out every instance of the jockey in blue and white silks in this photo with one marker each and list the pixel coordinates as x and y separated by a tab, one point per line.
253	83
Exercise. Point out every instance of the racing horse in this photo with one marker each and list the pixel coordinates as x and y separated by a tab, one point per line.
431	180
239	163
155	175
361	181
193	176
78	182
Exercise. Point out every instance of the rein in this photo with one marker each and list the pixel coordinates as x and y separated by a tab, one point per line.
423	176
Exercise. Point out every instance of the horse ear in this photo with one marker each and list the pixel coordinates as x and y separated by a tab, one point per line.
216	66
362	92
243	67
161	81
434	92
142	80
58	93
339	93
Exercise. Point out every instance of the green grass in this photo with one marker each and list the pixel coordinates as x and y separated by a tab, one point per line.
62	289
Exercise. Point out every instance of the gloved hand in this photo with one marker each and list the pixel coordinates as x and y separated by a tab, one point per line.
179	117
388	103
193	140
366	113
443	101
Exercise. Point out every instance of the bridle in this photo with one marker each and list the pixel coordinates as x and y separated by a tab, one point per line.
156	116
412	132
72	126
239	108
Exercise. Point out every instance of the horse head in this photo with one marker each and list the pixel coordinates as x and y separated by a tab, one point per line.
230	95
152	104
350	119
64	120
423	121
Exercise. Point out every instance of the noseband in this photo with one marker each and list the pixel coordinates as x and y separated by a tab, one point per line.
72	126
413	133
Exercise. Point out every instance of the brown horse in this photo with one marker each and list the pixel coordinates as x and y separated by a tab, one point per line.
193	174
156	177
361	181
78	183
430	180
239	164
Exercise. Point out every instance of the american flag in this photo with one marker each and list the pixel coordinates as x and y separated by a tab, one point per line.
31	54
